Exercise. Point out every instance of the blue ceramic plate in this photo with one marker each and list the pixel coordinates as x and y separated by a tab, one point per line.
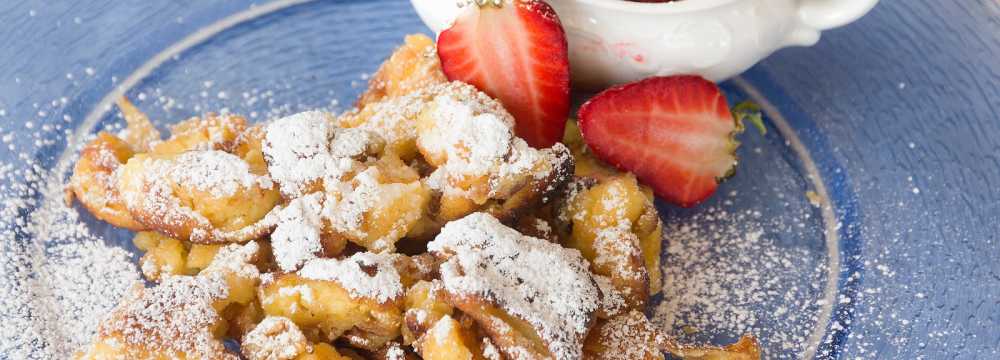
863	224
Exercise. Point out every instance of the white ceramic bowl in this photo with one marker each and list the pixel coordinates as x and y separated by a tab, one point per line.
617	41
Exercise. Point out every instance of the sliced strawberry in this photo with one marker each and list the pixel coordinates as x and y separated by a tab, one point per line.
517	54
674	133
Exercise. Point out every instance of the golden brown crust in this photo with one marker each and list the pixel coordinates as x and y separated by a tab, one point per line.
614	224
628	336
161	193
536	192
451	338
413	66
424	305
94	181
394	351
247	146
209	132
514	337
326	309
140	134
746	348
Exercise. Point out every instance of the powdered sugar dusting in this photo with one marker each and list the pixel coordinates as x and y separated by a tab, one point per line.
490	351
711	283
395	352
296	239
472	136
52	305
612	301
363	275
631	336
59	279
533	279
299	154
218	173
347	214
441	331
173	317
235	259
275	338
620	245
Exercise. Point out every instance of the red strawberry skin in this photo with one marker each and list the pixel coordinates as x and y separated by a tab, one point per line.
516	53
674	133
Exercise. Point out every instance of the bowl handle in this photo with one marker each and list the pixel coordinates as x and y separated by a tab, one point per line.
828	14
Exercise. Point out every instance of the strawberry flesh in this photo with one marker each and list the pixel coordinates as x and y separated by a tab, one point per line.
516	53
674	133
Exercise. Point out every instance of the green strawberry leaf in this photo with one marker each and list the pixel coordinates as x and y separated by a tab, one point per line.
749	111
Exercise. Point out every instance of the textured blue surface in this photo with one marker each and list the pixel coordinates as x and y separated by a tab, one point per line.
908	96
899	111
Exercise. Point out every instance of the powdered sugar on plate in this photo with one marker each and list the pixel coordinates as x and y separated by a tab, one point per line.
58	279
542	283
725	274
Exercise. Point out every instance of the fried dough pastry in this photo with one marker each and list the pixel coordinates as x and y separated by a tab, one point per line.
411	67
614	224
415	269
249	147
744	349
177	319
165	256
307	153
278	338
498	277
450	339
628	336
367	196
180	317
140	133
210	132
374	214
394	351
424	305
205	196
94	182
237	266
364	210
644	223
357	299
631	336
393	118
479	163
466	140
514	337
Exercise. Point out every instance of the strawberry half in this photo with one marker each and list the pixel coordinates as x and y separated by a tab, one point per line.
516	53
676	134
